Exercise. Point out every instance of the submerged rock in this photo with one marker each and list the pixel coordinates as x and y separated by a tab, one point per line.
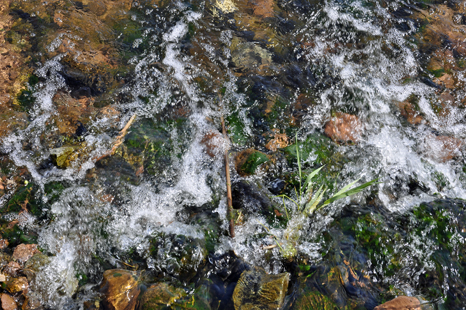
279	141
344	127
442	148
247	161
258	290
178	255
401	303
408	111
249	198
248	56
12	269
8	303
159	296
17	285
23	252
34	264
213	143
120	290
61	156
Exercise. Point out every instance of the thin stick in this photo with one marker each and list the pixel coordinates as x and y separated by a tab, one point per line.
118	139
229	197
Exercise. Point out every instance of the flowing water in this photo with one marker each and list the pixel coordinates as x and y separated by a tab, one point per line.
287	69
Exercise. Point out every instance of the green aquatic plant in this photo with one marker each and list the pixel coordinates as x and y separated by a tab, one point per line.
307	202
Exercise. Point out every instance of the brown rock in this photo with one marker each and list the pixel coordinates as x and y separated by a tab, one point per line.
247	161
8	303
97	7
446	80
278	142
120	290
442	148
12	269
17	285
110	112
401	303
407	111
300	108
264	8
70	111
3	242
23	252
344	127
212	142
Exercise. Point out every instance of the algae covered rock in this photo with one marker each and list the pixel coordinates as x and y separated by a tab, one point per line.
61	156
178	255
258	290
119	289
160	296
247	161
314	300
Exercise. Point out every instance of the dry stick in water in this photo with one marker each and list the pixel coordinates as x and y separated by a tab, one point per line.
119	138
229	197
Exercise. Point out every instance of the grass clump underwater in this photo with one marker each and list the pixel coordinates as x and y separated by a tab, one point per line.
307	201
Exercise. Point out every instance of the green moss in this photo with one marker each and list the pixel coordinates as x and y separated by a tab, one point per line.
279	116
82	278
16	235
235	128
254	160
315	144
26	99
437	73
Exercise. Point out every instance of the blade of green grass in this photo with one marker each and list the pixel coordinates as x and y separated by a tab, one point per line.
342	194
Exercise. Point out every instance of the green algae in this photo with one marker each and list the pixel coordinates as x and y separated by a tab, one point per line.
236	129
252	162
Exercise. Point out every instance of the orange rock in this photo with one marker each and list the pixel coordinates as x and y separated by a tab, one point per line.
278	142
212	142
401	303
263	8
344	127
120	290
8	303
110	112
23	252
407	111
446	80
17	285
442	148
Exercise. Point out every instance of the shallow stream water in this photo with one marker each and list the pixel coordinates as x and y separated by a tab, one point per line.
272	70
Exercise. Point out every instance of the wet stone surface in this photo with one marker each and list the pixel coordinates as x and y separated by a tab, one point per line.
112	176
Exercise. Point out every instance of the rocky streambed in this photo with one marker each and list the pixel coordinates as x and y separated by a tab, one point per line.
112	181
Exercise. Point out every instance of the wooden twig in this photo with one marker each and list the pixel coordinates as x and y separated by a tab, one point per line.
229	196
118	139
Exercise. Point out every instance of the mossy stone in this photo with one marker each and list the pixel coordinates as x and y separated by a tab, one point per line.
249	160
260	291
160	296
